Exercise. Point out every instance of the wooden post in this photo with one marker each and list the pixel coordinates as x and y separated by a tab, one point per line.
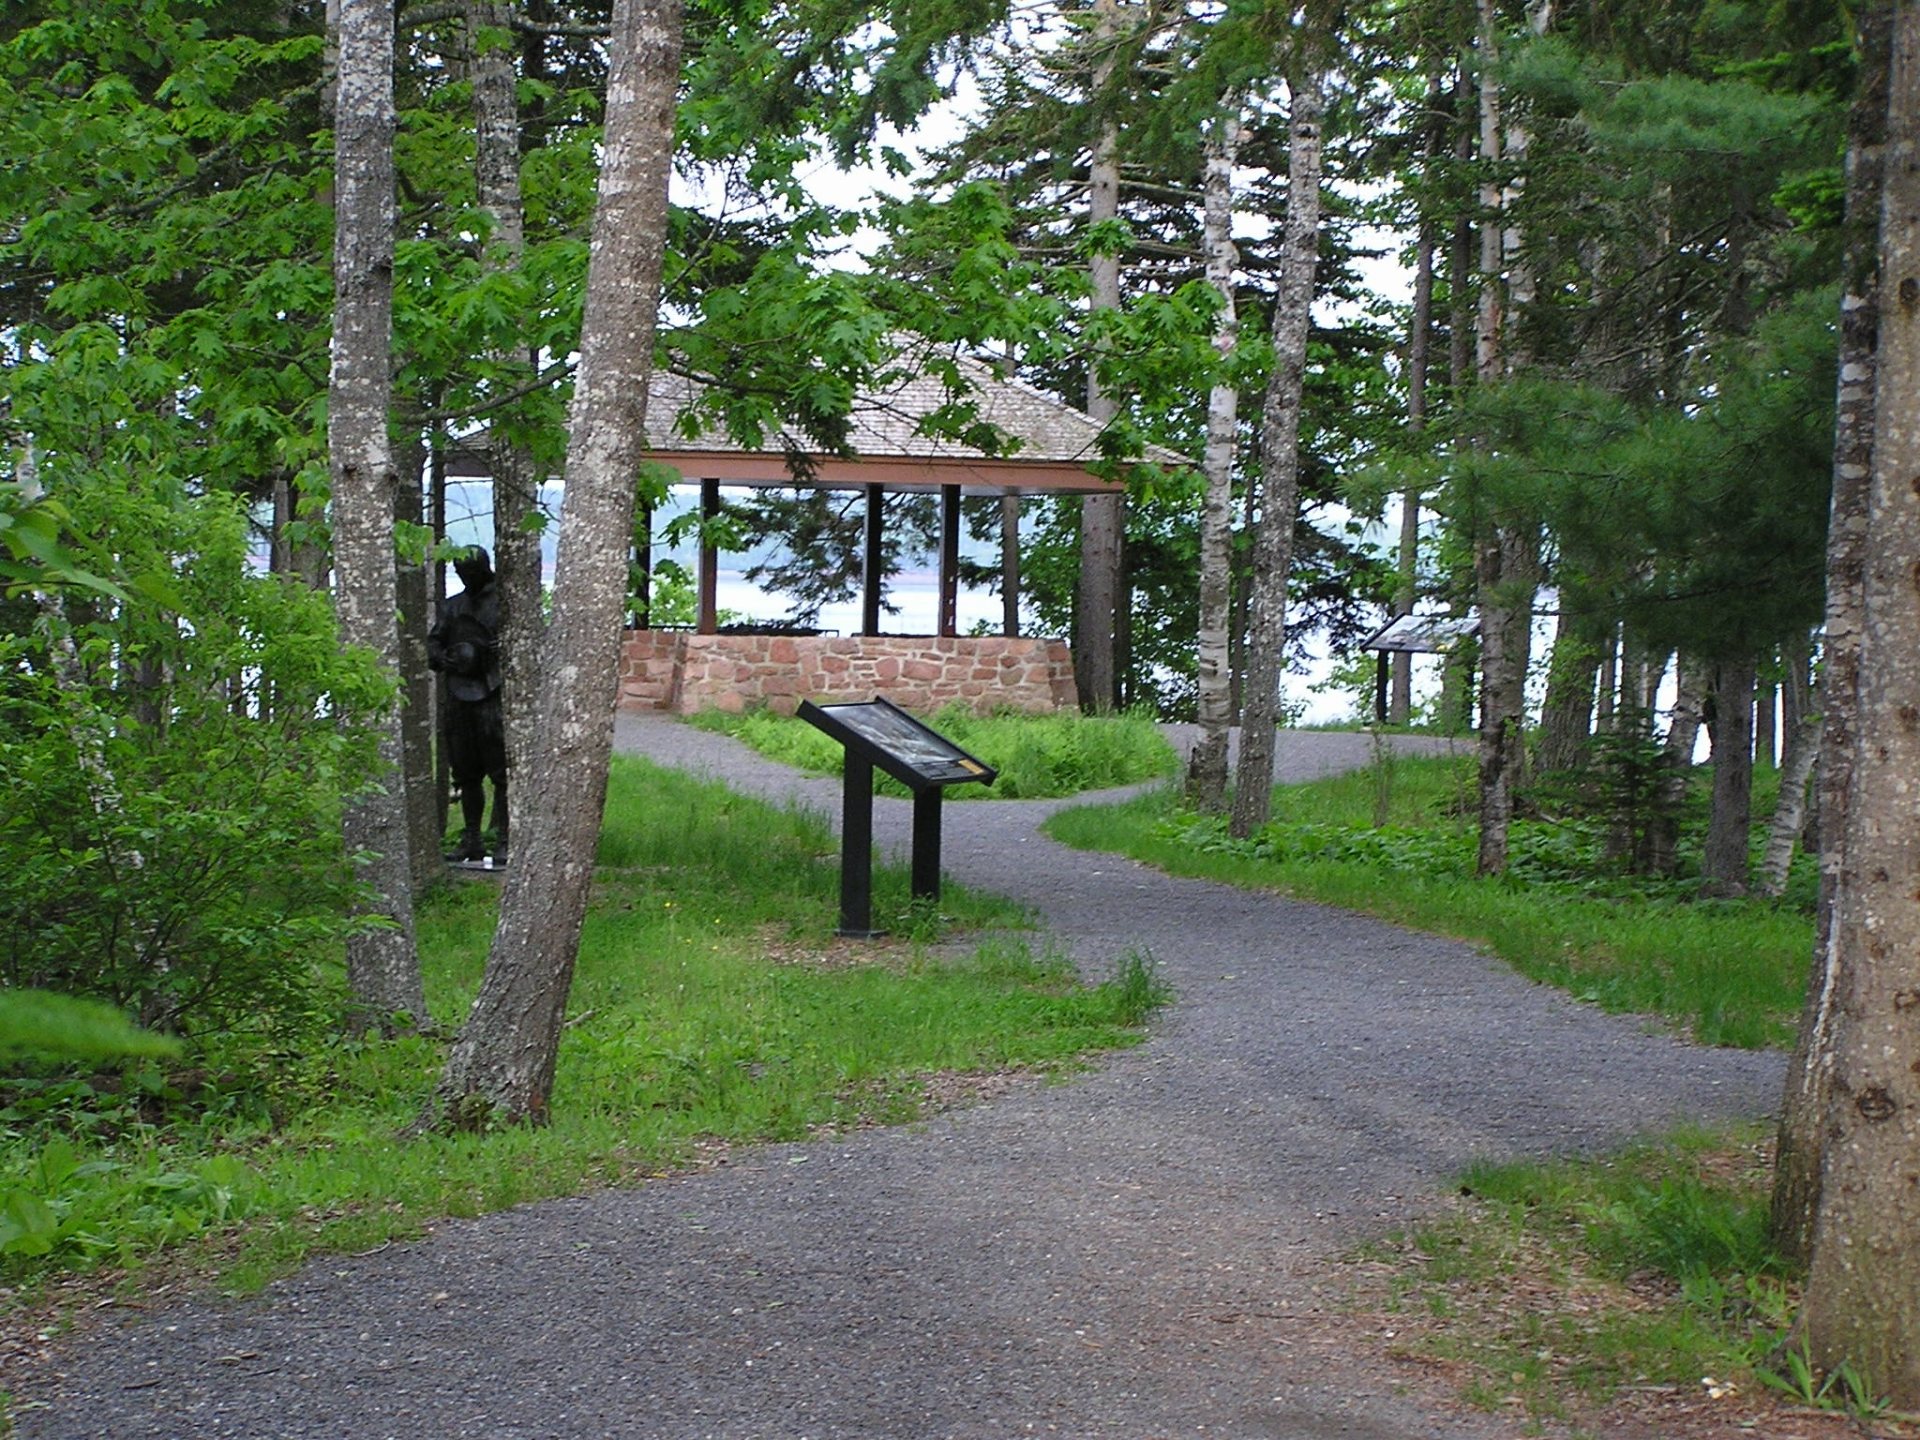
1010	564
708	622
856	847
643	562
926	844
949	561
876	524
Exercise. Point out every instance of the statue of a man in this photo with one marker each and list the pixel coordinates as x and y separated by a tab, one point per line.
464	645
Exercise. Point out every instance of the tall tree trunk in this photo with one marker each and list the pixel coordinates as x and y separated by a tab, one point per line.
1207	769
383	970
1506	548
1506	572
501	1067
1566	717
1103	518
1280	455
516	486
1766	714
1863	1278
1607	683
1729	826
1660	848
1419	348
1789	811
1800	1147
418	715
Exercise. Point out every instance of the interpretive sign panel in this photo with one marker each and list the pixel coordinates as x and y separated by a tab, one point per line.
886	735
879	733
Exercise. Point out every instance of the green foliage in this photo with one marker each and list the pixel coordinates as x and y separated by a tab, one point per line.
1037	756
40	1025
713	1005
177	769
1584	1276
1731	972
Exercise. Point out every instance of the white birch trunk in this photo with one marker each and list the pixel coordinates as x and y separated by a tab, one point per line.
383	970
1863	1281
1207	769
501	1067
1790	810
1800	1145
1280	457
516	539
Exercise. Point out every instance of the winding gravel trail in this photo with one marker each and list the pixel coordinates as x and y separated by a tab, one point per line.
1129	1255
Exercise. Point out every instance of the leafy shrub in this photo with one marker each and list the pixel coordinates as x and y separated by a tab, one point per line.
175	762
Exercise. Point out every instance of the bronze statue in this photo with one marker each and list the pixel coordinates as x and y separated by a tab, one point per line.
464	645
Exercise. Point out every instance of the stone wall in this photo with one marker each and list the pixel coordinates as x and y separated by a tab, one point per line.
683	673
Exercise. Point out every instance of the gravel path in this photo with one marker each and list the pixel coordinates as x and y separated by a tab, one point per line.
1130	1255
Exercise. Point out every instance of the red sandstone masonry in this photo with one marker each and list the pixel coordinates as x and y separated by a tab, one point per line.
674	671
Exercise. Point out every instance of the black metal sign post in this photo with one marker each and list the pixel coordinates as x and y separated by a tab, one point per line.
880	734
856	848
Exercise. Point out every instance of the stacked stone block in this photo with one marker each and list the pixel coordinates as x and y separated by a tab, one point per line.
684	674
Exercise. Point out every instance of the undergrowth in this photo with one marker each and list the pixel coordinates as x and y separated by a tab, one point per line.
713	1004
1561	1286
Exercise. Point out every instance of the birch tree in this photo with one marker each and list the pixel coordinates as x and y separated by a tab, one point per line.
1506	546
501	1067
1863	1282
1101	593
1801	1142
516	547
1207	769
383	969
1280	452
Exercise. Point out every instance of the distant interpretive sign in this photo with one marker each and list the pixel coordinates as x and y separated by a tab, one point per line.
887	736
877	733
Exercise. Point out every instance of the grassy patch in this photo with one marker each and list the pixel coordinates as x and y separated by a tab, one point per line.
1643	1282
1728	972
712	1005
1038	756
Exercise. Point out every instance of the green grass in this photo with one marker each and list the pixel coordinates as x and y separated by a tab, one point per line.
1727	972
1038	756
712	1005
1557	1284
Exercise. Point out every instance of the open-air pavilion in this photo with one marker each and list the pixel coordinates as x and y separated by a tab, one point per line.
1051	449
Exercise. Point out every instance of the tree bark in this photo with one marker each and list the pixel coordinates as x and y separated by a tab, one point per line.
1659	850
1607	684
1724	866
1207	768
501	1068
1419	350
1863	1279
1506	574
383	970
1506	548
1566	718
1101	590
1789	811
1407	557
516	486
1280	457
1800	1145
1766	722
425	827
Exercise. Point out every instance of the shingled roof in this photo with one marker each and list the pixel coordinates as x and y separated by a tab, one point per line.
1050	446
